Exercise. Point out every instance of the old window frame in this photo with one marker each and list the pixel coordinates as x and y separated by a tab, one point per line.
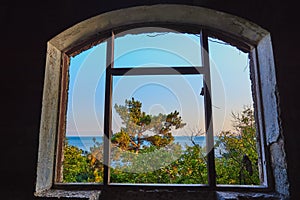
234	29
132	71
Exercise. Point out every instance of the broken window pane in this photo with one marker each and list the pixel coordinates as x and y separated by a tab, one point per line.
236	152
156	47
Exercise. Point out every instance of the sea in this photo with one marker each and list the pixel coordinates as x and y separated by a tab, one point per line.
86	142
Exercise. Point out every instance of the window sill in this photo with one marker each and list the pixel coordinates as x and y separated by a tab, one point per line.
69	194
154	194
246	196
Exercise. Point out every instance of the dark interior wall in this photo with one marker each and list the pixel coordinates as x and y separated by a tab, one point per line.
25	29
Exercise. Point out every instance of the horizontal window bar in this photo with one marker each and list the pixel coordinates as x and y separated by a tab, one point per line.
156	71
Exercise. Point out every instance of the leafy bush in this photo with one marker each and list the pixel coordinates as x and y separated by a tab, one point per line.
163	161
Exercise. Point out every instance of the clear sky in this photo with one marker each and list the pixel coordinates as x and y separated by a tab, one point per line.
158	94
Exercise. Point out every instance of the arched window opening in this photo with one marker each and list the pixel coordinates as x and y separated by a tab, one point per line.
175	102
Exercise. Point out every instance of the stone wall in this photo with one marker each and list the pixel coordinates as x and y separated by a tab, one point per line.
28	26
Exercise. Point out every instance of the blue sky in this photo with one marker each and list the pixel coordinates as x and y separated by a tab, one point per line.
229	71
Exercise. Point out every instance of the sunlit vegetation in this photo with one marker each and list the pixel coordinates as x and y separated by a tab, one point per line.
137	157
77	166
238	163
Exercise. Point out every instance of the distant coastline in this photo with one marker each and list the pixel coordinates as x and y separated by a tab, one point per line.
86	142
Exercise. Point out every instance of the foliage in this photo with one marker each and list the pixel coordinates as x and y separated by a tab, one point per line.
188	168
191	167
139	158
138	124
238	161
76	165
96	161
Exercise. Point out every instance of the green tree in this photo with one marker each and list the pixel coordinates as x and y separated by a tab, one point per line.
76	165
191	167
136	123
188	167
237	162
96	161
144	145
163	161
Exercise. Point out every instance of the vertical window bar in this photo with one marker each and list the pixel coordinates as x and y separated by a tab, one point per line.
108	109
208	112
